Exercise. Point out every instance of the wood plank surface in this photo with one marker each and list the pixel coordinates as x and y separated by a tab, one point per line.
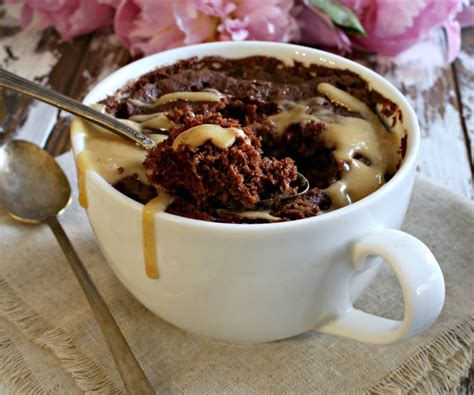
428	82
39	56
463	70
20	53
104	55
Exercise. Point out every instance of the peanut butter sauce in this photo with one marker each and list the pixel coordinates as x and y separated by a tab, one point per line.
368	137
154	121
257	214
297	114
348	136
209	95
113	157
217	135
157	120
150	251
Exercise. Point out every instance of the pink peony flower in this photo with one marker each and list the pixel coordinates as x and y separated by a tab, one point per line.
266	20
393	26
466	16
316	29
149	26
71	18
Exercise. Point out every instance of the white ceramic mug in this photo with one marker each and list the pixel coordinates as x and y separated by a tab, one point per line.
258	283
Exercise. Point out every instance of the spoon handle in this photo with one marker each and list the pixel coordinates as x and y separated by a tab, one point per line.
132	375
39	92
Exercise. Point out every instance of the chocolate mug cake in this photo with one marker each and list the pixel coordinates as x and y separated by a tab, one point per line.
277	112
234	132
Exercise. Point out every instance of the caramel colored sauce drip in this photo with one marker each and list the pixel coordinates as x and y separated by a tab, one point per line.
112	156
297	114
106	152
150	252
348	136
257	214
209	95
157	120
366	136
219	136
81	179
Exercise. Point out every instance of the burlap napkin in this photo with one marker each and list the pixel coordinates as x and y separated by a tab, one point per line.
50	342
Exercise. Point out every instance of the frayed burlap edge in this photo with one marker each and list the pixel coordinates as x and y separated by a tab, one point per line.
87	374
436	368
14	369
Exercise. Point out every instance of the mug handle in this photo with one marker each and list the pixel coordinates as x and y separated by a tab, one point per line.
420	278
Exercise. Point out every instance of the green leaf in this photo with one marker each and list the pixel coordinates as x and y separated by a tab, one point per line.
340	15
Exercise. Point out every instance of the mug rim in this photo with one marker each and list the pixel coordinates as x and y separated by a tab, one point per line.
154	61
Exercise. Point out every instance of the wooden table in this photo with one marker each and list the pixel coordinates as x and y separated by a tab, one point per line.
442	96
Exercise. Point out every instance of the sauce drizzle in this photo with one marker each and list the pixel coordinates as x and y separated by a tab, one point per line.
210	95
106	153
347	136
82	165
257	214
219	136
297	114
150	252
351	136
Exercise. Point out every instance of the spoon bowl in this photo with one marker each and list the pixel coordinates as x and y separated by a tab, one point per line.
301	189
33	187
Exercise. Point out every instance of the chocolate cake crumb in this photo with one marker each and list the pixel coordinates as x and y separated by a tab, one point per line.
307	205
236	177
136	189
212	183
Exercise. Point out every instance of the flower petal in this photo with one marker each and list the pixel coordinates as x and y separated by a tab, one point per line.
317	29
453	38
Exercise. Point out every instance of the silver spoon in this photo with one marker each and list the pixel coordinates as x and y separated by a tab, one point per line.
34	189
300	190
39	92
